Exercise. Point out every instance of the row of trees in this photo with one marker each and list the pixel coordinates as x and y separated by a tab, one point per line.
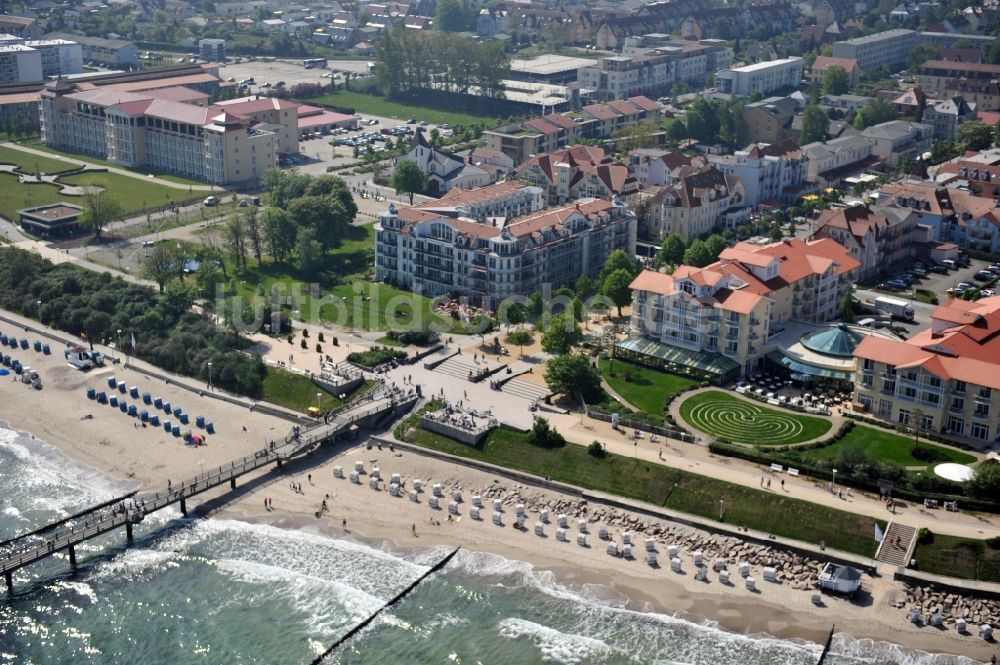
409	61
712	121
970	136
96	305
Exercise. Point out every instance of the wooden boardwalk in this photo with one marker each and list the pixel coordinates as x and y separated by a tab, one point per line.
65	535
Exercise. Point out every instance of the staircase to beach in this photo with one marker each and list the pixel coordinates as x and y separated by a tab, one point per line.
891	553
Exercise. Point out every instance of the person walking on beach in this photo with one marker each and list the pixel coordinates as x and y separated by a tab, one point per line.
343	523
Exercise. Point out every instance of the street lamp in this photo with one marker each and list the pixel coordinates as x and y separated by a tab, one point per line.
350	337
834	486
319	396
39	311
119	341
209	373
722	504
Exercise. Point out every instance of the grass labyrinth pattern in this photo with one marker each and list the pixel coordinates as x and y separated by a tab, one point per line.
723	415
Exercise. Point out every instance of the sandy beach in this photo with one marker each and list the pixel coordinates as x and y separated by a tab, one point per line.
377	518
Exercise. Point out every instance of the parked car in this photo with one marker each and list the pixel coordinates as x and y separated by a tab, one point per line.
987	293
919	272
938	268
210	201
983	275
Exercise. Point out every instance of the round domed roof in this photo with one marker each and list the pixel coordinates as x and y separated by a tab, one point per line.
839	341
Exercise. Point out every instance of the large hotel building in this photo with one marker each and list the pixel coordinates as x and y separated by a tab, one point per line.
494	242
947	375
217	144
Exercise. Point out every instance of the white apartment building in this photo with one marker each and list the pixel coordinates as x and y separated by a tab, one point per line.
59	56
830	161
769	172
883	49
142	130
436	250
20	64
697	201
898	140
762	77
655	71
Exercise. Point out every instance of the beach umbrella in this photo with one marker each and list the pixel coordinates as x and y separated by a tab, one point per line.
4	372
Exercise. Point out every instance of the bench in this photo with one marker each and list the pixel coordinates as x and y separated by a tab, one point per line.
793	472
777	468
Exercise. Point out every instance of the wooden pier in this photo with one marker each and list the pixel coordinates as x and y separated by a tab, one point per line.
66	534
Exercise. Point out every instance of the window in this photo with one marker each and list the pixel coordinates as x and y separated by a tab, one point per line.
980	431
904	417
909	393
956	425
958	403
935	381
985	393
869	364
884	408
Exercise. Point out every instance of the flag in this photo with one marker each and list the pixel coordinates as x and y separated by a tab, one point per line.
133	341
879	536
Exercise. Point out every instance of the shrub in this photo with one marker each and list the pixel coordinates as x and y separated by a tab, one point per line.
319	348
304	345
305	333
335	341
321	337
543	436
595	449
925	536
289	339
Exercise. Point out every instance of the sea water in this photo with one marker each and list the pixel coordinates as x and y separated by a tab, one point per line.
230	592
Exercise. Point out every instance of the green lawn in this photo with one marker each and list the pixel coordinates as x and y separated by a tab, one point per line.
887	447
645	388
723	415
38	145
298	392
959	557
366	305
32	163
366	104
772	512
133	194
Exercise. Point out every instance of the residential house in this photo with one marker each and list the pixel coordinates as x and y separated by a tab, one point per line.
953	215
24	27
985	95
935	75
770	120
829	162
697	201
762	77
898	140
770	173
823	63
946	117
653	167
579	172
444	170
887	49
876	238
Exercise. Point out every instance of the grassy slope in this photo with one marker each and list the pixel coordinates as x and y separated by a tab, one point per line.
812	426
887	447
297	392
38	145
771	512
32	163
646	389
961	557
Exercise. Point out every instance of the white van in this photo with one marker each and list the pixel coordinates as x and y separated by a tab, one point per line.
210	201
949	264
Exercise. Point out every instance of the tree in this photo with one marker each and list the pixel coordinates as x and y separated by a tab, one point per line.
985	483
279	232
636	135
572	374
283	186
716	243
974	136
616	287
561	335
453	15
919	55
584	287
254	232
847	308
520	338
535	305
408	178
874	112
206	278
837	81
158	265
234	237
310	250
942	151
99	208
991	52
702	121
672	250
325	215
544	436
698	254
814	124
619	260
676	131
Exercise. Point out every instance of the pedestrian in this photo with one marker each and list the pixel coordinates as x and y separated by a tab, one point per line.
310	477
782	484
762	481
413	528
768	483
265	504
343	523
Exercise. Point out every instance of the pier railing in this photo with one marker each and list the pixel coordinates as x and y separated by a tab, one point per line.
64	535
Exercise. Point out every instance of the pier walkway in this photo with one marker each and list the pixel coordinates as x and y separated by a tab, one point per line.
42	543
